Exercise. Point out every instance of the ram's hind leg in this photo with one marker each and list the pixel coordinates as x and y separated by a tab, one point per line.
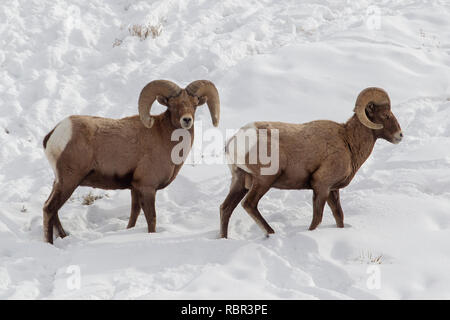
62	190
58	227
235	195
259	188
135	208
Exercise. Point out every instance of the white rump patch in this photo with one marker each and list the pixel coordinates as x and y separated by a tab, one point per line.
241	144
57	142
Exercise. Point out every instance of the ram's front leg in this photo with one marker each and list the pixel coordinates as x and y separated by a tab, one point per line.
321	190
147	197
135	208
335	204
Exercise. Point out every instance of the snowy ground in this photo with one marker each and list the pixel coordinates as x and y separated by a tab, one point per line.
271	60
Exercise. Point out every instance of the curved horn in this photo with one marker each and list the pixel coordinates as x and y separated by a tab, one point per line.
201	88
148	95
372	94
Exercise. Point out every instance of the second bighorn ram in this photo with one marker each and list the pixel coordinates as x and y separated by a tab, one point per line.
320	155
130	153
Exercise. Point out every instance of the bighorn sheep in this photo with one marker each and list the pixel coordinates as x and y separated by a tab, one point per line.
130	153
320	155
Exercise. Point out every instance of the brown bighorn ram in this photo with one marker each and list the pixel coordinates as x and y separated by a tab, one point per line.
130	153
320	155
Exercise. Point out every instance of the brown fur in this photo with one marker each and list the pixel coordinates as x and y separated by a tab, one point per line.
120	154
321	155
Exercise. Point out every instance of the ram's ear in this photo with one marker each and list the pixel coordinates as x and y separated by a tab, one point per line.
370	109
162	100
202	100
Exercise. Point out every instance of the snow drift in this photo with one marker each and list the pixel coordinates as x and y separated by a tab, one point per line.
271	60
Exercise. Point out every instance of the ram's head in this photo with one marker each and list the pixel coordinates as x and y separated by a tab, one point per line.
181	103
373	109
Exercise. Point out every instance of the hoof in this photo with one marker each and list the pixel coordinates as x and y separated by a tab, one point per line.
269	233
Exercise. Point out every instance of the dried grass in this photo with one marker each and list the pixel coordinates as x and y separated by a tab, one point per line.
90	198
145	31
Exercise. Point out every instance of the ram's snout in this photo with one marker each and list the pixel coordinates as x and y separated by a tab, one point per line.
186	121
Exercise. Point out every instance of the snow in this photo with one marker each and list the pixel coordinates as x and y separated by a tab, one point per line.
271	60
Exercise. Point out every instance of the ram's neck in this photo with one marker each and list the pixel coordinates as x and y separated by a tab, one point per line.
360	141
174	136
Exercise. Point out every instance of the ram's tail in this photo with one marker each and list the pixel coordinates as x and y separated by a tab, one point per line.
47	137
